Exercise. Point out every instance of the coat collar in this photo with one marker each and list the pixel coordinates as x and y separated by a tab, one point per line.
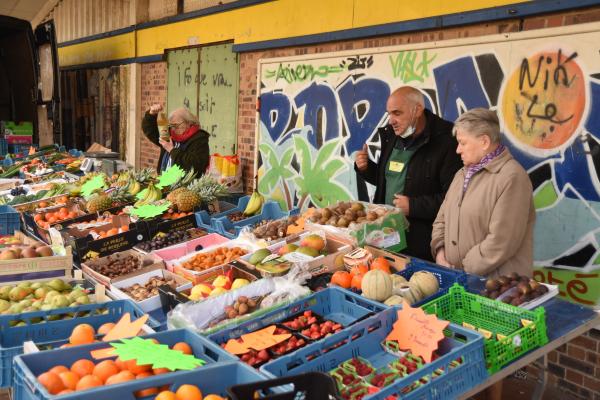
497	163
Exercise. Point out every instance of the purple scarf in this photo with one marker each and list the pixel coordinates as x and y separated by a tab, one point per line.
475	168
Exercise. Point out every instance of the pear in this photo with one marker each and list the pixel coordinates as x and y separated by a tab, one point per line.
16	308
36	285
58	284
75	294
46	307
83	300
26	303
60	301
4	305
50	295
18	293
40	292
26	285
4	290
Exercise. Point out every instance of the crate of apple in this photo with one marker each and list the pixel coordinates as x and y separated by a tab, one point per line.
319	330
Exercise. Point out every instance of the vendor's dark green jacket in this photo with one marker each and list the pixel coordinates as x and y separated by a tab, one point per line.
429	174
194	152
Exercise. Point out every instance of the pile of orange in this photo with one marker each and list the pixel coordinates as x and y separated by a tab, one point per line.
85	374
99	234
44	220
174	215
187	392
60	200
85	334
353	279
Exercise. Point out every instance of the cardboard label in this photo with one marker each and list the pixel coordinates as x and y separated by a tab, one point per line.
418	332
55	237
296	257
258	340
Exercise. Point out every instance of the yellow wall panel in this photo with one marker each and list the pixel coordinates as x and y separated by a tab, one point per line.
112	48
267	21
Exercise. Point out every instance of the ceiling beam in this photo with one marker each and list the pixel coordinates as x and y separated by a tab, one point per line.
44	11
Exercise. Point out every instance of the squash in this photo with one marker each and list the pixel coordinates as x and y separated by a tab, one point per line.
394	300
376	285
397	282
426	282
410	293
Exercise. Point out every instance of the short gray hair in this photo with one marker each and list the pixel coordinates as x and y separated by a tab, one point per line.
186	115
479	121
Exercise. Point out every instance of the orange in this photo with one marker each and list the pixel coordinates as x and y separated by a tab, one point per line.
146	392
124	228
144	375
43	204
105	369
154	341
166	395
213	397
58	369
159	371
72	214
382	264
69	379
88	382
342	279
82	334
83	367
105	328
137	369
183	347
121	377
357	282
66	391
112	231
38	217
120	363
188	392
51	382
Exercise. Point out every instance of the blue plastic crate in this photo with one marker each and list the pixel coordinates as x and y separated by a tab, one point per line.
9	220
446	277
204	219
271	210
55	333
364	340
213	378
3	147
29	366
335	304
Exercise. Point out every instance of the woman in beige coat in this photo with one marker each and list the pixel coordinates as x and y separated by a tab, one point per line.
485	224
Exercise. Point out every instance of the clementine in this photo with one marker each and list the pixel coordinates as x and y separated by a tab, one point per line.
51	382
183	347
105	369
83	367
188	392
88	382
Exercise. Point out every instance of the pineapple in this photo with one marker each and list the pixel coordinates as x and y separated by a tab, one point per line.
187	200
97	202
208	189
144	176
172	196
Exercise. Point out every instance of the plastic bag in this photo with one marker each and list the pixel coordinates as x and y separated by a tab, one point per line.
289	287
227	170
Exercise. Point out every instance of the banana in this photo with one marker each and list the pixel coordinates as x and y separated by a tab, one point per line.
254	204
134	187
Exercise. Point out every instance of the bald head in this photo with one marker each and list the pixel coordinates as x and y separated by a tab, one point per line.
410	94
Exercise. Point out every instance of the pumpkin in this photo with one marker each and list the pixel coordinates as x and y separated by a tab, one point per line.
397	282
342	279
359	269
426	282
357	282
377	285
382	264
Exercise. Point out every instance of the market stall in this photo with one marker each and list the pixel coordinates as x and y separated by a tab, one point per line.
159	286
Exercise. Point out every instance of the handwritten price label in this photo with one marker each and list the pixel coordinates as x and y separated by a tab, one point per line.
259	340
418	332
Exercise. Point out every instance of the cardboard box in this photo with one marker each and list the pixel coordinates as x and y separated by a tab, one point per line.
195	276
151	303
150	262
36	269
34	229
331	261
172	253
158	225
397	261
85	248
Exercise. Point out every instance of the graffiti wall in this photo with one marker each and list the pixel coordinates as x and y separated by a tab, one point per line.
316	111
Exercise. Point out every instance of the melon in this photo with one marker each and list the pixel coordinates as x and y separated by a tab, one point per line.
377	285
426	282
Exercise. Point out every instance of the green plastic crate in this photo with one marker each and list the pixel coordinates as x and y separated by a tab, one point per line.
460	306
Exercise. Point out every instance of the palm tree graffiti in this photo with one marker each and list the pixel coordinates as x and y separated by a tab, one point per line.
315	180
279	170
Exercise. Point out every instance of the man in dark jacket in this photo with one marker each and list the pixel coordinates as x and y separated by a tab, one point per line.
188	144
417	163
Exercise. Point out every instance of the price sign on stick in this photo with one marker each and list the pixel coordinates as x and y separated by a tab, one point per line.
418	332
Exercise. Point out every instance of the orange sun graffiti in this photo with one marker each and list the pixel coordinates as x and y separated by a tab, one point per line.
544	100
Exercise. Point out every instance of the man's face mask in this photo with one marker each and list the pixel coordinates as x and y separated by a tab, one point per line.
411	128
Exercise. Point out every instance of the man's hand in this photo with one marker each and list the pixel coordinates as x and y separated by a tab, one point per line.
362	158
440	258
155	108
168	146
402	203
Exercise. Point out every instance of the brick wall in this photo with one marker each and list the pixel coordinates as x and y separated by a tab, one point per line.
154	90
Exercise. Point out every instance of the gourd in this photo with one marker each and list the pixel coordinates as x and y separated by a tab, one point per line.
397	282
376	285
393	301
426	282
